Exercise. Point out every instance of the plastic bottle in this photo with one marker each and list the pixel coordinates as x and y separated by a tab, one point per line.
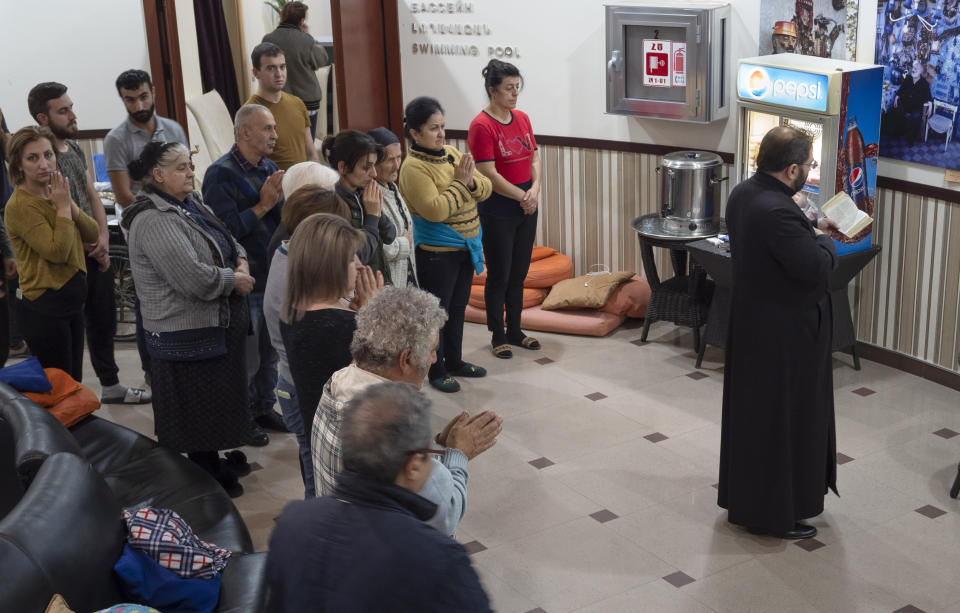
856	179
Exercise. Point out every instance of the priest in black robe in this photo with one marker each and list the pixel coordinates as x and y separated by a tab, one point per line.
778	439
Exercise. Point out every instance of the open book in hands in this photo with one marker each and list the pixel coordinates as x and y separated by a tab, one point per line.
843	210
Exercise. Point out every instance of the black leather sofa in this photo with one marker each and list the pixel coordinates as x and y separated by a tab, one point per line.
61	496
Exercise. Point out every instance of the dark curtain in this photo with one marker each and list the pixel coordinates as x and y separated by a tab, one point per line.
216	60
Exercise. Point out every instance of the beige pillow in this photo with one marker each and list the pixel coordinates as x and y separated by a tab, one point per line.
586	292
58	605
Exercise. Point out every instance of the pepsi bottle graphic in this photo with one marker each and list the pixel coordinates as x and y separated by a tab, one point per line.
856	179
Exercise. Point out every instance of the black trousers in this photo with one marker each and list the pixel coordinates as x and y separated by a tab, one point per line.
53	326
100	321
507	245
448	276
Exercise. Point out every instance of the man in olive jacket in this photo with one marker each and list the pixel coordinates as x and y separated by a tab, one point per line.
304	57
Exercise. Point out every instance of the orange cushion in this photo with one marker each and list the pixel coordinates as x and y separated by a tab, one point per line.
584	322
69	401
531	297
548	271
630	299
540	252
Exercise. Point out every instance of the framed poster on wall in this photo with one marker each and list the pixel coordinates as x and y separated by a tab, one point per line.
918	44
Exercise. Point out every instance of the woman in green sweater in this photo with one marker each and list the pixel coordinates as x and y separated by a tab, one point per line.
441	186
47	230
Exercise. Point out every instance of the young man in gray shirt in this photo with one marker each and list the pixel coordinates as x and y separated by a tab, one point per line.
125	142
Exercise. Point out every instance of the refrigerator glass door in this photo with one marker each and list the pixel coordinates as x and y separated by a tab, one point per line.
758	123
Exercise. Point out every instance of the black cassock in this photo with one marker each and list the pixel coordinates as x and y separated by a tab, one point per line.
778	440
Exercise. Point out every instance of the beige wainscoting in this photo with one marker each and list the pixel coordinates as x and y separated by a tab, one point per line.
588	199
907	299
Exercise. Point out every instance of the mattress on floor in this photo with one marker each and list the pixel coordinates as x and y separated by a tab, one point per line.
585	322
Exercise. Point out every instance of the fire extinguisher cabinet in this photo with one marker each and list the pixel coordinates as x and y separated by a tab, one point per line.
668	61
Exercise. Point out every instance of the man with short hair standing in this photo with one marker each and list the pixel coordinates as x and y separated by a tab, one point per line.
244	189
366	547
51	106
778	438
294	142
125	142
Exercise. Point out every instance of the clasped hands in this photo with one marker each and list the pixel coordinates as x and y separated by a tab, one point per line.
471	435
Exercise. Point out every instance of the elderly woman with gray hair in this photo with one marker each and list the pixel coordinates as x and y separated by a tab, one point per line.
396	340
192	280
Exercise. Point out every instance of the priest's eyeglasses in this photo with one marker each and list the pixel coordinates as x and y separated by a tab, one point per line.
813	165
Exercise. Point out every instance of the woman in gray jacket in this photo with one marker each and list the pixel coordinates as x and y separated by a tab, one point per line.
192	279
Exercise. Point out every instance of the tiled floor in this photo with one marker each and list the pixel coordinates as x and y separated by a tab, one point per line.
600	494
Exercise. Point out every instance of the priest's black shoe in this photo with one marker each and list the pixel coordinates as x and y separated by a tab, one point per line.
800	531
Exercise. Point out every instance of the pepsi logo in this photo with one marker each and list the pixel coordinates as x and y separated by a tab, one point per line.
856	177
758	83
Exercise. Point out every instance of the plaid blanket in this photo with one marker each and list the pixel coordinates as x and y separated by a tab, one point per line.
165	537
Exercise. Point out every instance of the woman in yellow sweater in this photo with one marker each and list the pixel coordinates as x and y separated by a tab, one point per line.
47	230
442	187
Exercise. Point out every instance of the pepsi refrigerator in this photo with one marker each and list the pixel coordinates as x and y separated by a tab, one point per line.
836	101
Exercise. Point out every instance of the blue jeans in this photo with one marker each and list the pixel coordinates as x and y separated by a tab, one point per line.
261	362
293	420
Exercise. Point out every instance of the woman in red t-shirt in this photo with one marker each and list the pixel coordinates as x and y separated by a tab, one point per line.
502	143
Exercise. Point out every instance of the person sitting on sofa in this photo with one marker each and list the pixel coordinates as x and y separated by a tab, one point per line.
366	547
396	340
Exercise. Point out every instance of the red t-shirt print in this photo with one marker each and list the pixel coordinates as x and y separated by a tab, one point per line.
510	146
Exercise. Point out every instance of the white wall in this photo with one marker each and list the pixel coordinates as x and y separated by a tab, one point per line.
84	46
189	50
318	17
562	58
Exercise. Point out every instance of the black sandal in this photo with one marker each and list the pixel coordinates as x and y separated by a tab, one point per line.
503	351
527	342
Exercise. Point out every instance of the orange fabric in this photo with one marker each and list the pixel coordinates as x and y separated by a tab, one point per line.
531	297
548	271
584	322
630	299
539	253
69	401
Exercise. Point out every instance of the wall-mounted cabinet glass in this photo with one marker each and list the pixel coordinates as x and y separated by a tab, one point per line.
668	61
